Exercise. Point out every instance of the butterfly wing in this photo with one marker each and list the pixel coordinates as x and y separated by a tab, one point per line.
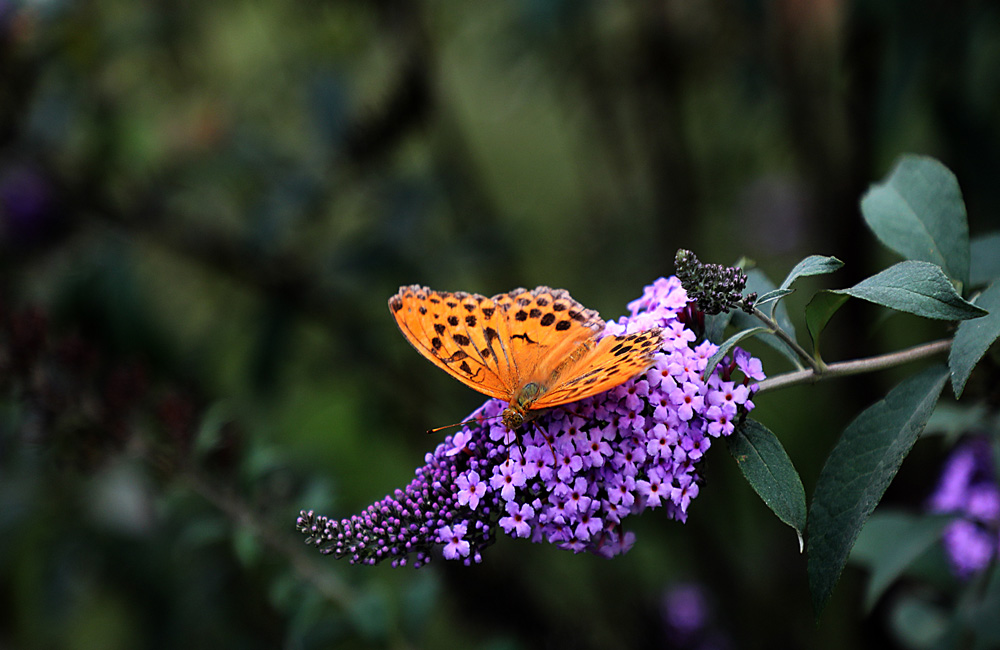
461	333
611	362
544	326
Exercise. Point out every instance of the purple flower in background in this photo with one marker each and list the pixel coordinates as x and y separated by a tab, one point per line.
685	610
968	488
574	473
689	620
7	13
970	547
28	212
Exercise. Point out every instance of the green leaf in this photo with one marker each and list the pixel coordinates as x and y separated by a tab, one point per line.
820	310
728	345
983	619
919	213
858	471
917	288
919	623
976	604
974	338
812	265
771	296
952	420
984	267
757	281
769	471
715	326
890	542
209	435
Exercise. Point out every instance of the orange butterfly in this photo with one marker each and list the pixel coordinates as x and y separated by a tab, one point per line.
533	349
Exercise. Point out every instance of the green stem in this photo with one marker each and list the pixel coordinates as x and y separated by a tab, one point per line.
815	365
856	367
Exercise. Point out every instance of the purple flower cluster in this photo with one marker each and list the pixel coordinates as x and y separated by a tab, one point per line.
968	487
570	476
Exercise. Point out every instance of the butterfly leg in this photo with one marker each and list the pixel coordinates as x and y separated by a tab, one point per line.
548	441
516	442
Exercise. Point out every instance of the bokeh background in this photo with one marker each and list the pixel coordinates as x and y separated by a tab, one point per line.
204	207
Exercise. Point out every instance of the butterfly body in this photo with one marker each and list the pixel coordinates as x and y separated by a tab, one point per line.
518	410
534	349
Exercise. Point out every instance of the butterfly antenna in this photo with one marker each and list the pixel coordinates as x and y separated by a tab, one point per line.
458	424
449	426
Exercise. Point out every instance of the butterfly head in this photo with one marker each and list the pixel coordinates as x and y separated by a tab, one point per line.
517	412
513	417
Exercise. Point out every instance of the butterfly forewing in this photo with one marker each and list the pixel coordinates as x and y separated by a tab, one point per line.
460	333
613	361
544	326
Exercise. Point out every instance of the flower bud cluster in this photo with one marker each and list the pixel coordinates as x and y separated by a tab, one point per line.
715	288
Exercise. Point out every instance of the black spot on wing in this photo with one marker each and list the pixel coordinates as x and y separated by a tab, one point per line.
457	356
621	350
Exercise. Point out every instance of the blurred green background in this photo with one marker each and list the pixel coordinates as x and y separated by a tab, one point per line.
205	206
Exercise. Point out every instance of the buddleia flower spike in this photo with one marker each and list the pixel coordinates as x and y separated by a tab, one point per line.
618	453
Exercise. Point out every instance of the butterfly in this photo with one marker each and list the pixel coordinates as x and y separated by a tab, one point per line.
533	349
